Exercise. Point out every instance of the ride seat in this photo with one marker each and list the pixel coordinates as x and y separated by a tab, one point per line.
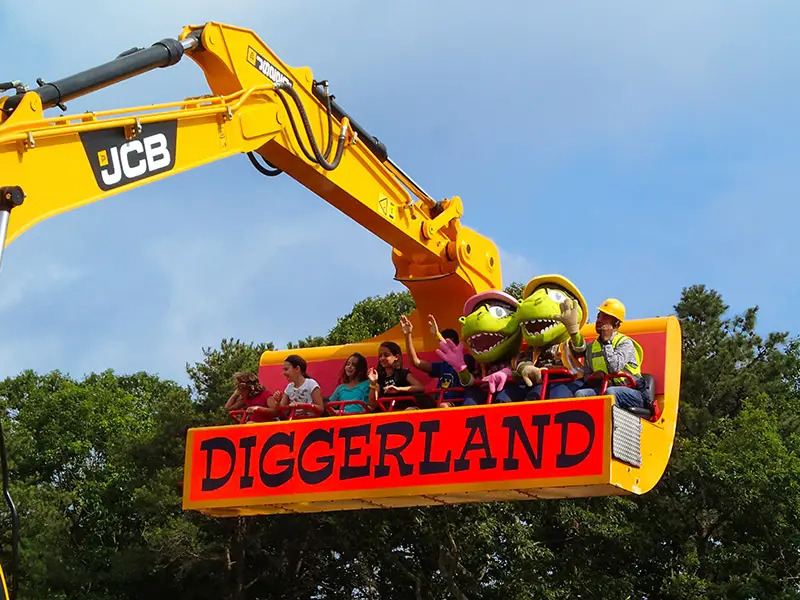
650	410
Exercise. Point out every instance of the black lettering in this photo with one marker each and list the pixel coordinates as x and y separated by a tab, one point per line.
275	479
428	466
246	480
348	471
219	443
578	417
476	424
515	429
384	431
320	475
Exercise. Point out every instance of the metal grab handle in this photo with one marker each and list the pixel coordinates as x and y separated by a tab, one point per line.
440	393
606	377
291	411
555	375
484	385
387	403
336	408
240	416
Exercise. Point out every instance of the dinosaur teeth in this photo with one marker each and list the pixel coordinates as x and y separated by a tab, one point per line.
537	326
480	343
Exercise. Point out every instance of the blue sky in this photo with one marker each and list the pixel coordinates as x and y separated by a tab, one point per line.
655	147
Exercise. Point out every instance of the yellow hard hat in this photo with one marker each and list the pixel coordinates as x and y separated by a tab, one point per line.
613	307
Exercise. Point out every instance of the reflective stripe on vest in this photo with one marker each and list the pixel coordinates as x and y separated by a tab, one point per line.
598	359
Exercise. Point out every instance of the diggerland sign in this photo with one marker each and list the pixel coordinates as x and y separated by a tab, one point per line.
447	449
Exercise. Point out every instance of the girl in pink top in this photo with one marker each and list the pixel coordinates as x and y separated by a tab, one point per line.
251	396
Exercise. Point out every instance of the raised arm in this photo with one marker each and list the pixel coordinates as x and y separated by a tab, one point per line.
408	330
235	402
374	388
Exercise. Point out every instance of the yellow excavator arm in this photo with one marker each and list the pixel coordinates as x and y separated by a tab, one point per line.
258	105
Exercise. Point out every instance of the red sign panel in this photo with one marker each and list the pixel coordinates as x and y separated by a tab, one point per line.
447	448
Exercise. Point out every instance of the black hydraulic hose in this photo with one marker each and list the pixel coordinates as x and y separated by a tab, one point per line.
300	142
320	159
161	54
375	146
330	127
14	519
270	170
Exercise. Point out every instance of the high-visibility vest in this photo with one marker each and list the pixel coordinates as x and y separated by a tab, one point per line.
596	358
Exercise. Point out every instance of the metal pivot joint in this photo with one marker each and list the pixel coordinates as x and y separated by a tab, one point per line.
11	196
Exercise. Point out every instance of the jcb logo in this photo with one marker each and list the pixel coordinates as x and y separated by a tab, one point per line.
116	161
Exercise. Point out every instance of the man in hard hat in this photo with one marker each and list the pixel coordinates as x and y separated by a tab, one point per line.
614	352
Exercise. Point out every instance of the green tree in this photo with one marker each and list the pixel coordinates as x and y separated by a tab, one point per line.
212	377
96	462
515	288
370	317
731	495
311	341
724	521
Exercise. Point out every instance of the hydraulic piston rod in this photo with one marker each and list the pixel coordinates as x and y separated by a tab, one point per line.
165	53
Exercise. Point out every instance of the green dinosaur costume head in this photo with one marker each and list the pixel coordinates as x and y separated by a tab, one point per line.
538	313
489	326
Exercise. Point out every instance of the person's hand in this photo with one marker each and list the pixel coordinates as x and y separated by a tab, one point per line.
569	315
277	396
452	354
372	375
531	374
605	331
405	325
391	389
250	410
497	380
434	326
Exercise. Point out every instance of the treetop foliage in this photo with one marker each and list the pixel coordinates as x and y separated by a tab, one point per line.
96	465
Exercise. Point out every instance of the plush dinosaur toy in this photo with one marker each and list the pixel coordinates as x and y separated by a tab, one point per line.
491	333
550	315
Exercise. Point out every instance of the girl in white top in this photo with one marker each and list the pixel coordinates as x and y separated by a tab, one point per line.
301	388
